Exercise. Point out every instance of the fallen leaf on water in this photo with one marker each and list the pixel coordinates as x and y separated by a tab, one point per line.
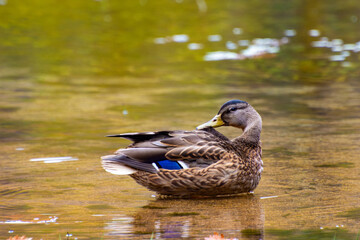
216	236
19	238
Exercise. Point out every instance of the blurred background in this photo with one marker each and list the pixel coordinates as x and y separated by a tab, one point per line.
72	72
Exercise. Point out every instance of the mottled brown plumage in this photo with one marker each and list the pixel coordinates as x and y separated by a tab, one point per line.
217	165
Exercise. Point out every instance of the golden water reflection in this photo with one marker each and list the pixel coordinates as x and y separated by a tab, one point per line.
198	218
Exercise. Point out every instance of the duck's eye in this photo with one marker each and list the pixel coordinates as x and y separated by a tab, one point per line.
232	109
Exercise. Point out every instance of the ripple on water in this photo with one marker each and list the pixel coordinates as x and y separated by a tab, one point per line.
12	192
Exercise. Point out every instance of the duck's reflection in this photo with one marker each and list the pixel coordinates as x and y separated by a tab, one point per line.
240	217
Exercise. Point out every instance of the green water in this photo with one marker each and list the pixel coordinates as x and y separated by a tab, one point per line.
72	72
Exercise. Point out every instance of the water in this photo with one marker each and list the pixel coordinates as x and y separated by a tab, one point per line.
73	72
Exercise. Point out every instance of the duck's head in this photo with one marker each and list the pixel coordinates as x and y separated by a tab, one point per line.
235	113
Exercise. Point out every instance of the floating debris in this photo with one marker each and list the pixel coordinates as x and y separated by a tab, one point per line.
221	55
260	47
53	159
314	33
290	32
349	47
345	53
284	40
337	58
259	50
160	40
214	38
19	149
3	2
266	41
337	48
195	46
180	38
231	45
237	31
321	44
337	42
125	112
243	43
357	48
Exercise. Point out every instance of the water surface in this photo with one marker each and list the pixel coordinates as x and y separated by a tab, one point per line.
74	72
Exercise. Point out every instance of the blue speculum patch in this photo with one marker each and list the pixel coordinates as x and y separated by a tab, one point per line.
167	164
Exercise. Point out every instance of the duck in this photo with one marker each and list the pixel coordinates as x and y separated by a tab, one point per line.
198	163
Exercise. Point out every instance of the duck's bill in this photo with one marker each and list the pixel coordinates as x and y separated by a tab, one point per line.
215	122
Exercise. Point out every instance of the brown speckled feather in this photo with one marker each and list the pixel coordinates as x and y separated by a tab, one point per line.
230	174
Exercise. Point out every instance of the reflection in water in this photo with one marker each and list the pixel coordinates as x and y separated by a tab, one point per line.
119	226
176	218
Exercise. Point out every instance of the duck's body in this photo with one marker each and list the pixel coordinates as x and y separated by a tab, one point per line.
209	163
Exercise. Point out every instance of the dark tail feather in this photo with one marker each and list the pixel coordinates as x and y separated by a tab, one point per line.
143	136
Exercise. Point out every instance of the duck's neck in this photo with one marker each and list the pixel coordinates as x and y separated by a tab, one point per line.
252	132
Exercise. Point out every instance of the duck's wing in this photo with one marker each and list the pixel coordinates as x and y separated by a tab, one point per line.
197	147
192	147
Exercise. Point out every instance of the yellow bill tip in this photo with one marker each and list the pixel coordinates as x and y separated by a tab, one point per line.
214	122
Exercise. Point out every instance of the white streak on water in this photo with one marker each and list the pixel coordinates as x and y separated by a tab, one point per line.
53	159
268	197
51	220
